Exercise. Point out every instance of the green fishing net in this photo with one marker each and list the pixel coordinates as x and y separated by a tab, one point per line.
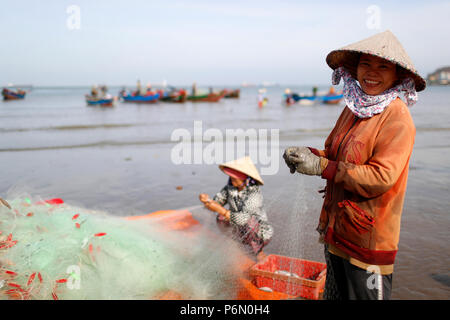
59	251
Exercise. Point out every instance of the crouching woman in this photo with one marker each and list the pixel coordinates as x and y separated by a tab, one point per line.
246	215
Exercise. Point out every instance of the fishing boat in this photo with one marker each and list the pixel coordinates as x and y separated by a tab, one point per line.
308	99
103	102
293	98
332	99
179	96
211	97
297	97
232	93
148	98
13	95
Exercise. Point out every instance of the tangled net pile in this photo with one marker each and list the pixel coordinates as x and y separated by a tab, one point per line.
57	251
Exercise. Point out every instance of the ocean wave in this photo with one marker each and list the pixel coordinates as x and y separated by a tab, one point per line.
87	145
73	127
284	135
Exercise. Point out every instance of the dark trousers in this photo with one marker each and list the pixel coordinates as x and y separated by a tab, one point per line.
348	282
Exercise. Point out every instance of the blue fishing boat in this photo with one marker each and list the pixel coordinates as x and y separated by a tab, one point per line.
99	101
13	95
291	98
327	99
332	99
151	98
297	97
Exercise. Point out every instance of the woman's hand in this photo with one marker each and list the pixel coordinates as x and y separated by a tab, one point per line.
203	197
287	157
209	204
214	206
302	160
221	210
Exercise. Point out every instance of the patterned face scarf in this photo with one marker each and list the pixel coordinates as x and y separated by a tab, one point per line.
366	106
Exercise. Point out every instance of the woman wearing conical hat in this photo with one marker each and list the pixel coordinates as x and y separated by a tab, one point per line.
365	163
246	214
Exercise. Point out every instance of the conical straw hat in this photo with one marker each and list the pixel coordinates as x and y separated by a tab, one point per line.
244	165
384	45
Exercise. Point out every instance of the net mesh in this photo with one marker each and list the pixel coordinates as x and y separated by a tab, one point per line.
67	252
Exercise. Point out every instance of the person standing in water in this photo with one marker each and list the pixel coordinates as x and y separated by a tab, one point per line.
138	91
246	214
365	163
94	91
262	99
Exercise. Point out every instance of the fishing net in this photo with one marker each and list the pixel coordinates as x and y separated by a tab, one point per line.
59	251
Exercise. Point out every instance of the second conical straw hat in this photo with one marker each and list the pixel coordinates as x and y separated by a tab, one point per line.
384	45
244	165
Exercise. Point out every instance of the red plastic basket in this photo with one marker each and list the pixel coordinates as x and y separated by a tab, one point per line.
295	277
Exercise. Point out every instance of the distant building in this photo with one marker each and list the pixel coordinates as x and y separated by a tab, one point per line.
440	76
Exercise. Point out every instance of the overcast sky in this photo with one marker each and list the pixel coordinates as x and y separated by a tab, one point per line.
211	42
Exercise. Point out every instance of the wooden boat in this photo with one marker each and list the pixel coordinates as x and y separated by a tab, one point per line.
211	97
13	95
297	97
307	100
292	98
103	102
176	97
332	99
149	98
232	93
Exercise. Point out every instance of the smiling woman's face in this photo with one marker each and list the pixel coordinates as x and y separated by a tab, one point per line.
375	75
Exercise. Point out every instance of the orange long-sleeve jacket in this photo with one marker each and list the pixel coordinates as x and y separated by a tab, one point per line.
366	177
